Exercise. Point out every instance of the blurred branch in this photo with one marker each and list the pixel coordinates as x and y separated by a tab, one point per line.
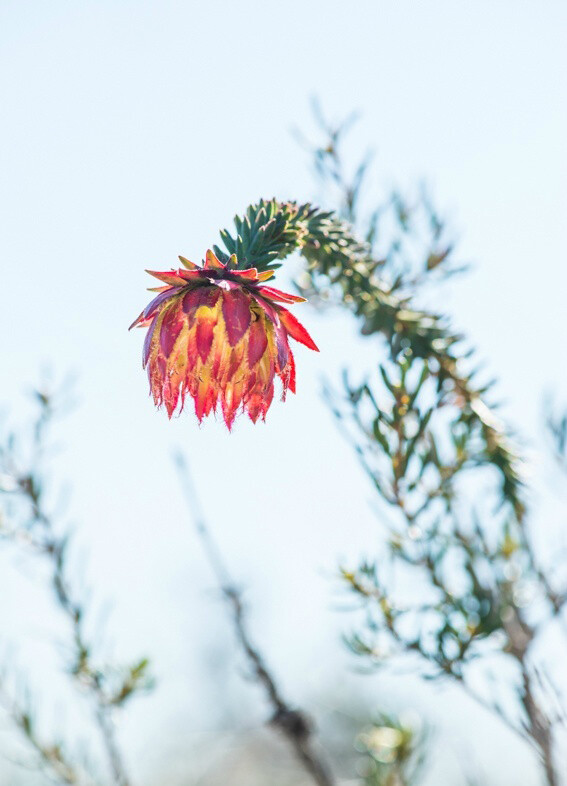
53	548
293	724
109	685
51	758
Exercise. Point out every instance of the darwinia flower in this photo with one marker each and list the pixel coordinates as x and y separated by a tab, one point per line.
219	335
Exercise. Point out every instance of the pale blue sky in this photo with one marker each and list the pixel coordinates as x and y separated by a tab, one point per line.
132	132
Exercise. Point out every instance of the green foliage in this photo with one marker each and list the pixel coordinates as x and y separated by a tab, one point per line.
269	231
393	752
419	449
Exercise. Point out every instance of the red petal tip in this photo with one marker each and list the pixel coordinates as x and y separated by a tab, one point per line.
168	277
296	329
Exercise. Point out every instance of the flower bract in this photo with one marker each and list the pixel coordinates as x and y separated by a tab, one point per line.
221	336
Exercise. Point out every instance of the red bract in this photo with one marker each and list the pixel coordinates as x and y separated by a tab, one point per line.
219	335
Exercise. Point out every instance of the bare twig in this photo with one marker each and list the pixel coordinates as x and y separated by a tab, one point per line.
295	726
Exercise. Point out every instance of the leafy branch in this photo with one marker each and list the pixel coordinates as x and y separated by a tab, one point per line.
342	269
433	447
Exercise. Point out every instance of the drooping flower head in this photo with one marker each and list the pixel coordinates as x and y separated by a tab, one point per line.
219	335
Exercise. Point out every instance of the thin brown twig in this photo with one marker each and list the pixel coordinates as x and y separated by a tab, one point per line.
295	726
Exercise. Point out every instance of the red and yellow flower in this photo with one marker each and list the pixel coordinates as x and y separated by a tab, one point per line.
220	335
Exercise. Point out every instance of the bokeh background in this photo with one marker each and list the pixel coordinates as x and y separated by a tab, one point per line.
132	132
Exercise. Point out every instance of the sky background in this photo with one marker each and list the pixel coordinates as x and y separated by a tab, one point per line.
132	132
